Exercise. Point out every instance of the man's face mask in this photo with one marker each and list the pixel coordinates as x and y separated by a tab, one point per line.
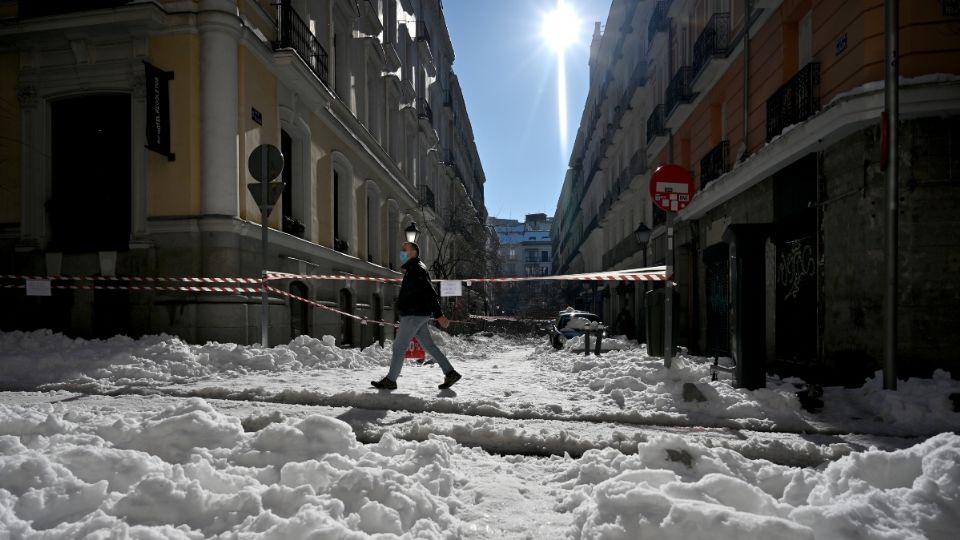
403	257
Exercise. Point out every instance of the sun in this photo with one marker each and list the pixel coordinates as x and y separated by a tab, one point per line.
561	27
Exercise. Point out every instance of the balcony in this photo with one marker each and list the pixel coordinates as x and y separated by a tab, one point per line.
423	45
624	249
659	21
714	42
715	163
680	89
33	8
795	101
424	112
638	162
638	78
656	123
427	198
447	98
370	23
294	33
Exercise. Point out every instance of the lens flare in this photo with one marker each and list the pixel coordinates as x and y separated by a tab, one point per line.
561	27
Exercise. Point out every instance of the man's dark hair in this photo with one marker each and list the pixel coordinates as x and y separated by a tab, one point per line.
414	246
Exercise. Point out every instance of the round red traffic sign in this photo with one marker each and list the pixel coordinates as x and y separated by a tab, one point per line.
671	187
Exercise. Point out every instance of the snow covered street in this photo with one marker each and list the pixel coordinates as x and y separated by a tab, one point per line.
156	437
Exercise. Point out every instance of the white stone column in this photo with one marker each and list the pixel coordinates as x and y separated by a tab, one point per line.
219	34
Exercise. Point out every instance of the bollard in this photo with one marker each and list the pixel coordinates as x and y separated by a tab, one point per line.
586	343
596	351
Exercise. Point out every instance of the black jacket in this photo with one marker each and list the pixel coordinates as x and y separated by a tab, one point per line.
417	295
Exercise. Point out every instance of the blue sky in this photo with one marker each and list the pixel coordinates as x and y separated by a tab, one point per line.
509	81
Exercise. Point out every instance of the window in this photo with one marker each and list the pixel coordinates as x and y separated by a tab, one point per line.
393	235
299	310
289	224
336	209
373	223
544	256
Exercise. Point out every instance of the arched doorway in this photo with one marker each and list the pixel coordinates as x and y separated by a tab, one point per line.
299	311
346	323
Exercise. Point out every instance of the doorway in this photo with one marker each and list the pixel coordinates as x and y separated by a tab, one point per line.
89	207
346	323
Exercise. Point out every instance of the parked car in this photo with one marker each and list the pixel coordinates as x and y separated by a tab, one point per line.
569	324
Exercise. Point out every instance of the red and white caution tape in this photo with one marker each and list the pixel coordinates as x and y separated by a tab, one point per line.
146	279
656	273
170	288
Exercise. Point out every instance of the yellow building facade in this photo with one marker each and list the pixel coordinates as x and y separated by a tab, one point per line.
359	96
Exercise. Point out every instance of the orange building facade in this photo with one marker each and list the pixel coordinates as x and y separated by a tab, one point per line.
789	176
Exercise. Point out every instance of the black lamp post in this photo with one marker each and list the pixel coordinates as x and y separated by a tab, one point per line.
642	233
412	232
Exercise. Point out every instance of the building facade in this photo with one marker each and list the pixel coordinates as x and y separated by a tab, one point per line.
360	96
789	176
524	249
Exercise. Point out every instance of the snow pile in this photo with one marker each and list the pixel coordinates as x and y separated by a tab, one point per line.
916	406
613	343
190	471
676	490
633	381
35	358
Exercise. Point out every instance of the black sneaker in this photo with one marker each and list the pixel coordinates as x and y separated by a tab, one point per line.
449	380
384	384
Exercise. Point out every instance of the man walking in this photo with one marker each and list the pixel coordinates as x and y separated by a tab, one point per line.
416	303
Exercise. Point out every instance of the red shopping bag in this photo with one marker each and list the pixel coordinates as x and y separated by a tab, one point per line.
415	351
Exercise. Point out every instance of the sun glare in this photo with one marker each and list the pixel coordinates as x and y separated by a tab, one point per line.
561	27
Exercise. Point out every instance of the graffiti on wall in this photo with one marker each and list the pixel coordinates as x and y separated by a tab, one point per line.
795	263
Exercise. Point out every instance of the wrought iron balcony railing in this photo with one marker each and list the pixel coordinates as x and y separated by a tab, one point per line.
659	22
638	77
294	33
680	89
795	101
656	123
424	110
713	42
638	162
33	8
422	33
715	163
623	249
427	198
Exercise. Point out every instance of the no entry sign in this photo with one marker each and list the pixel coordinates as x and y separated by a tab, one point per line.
671	187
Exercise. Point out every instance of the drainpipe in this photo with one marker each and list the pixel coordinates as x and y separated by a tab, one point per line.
742	151
891	95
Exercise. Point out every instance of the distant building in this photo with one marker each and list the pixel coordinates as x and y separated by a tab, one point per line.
524	245
524	249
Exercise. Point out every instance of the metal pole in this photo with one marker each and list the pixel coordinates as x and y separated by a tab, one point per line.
668	299
264	214
891	92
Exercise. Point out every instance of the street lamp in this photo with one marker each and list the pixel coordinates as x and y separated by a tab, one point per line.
412	232
642	234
